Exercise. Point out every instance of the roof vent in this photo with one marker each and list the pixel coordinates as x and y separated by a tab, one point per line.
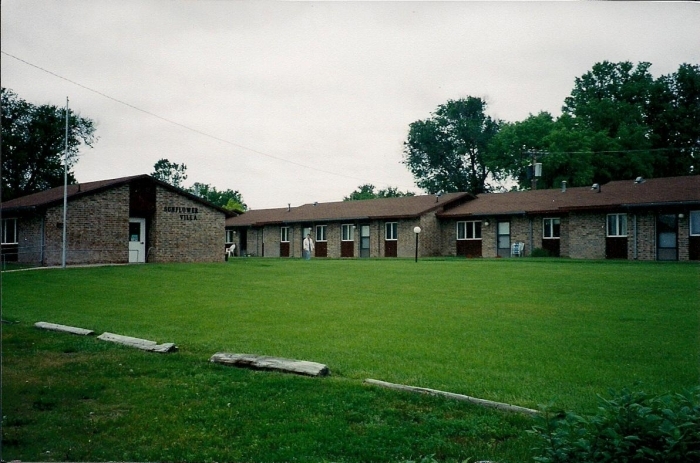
639	180
289	207
596	187
563	186
315	203
437	196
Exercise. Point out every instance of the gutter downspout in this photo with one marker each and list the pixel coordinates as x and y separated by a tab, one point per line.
635	237
43	241
532	238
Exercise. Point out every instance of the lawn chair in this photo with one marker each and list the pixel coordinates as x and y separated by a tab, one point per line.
230	250
517	249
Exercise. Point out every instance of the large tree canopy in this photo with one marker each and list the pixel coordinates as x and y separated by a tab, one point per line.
170	172
174	174
448	151
618	123
228	199
34	144
675	122
368	191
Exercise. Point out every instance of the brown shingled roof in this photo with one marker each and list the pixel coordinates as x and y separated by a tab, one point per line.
257	217
617	194
371	209
55	195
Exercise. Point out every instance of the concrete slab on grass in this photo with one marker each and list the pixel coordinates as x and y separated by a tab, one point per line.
63	328
262	362
142	344
452	395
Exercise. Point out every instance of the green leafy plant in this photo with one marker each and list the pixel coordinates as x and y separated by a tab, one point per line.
629	427
539	252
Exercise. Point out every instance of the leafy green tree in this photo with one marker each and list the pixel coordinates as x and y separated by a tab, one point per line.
170	172
561	147
34	142
618	123
393	192
612	103
675	122
228	199
448	151
367	191
509	150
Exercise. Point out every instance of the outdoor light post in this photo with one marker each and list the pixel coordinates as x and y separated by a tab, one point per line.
416	230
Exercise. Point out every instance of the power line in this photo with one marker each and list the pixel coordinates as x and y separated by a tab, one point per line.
191	129
548	152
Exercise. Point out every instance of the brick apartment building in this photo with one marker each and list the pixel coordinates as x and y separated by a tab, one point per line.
372	228
655	219
140	219
134	219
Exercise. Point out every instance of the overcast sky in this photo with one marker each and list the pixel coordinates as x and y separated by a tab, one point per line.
296	102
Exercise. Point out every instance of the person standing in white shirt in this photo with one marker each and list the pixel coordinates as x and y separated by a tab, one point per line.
308	247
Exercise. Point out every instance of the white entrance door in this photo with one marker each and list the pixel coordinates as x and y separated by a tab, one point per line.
137	240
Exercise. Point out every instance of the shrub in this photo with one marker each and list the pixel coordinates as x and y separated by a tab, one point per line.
539	252
629	427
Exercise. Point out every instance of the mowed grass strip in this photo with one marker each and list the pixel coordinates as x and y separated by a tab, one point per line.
67	398
524	332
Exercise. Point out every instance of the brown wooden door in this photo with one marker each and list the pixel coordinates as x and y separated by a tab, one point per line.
347	249
284	249
390	248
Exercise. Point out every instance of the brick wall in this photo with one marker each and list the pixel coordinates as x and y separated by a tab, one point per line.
646	236
254	242
488	237
271	239
587	236
30	239
520	231
97	229
582	236
448	237
184	230
684	237
430	239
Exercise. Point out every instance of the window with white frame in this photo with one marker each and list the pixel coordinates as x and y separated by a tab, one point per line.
391	231
551	228
469	230
229	236
617	225
321	232
695	223
284	234
347	232
9	231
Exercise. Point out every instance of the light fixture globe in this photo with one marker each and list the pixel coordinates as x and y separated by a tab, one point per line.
416	230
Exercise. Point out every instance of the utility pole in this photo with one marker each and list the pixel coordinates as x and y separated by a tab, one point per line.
65	190
535	167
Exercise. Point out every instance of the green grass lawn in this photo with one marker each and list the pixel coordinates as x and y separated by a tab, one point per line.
525	332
